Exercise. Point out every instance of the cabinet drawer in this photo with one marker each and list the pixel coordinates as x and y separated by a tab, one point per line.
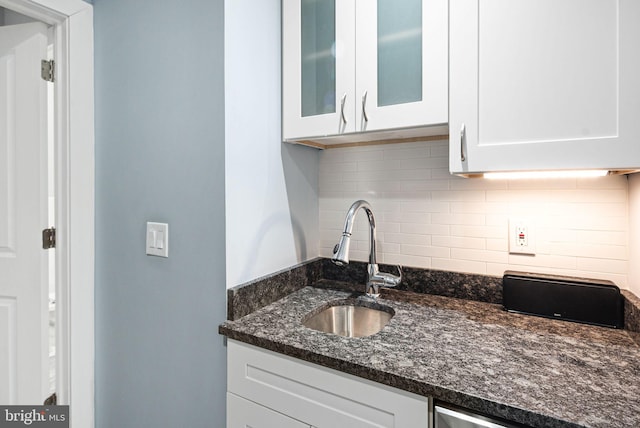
243	413
319	396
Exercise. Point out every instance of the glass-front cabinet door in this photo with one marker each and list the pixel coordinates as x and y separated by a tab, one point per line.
363	65
318	74
401	63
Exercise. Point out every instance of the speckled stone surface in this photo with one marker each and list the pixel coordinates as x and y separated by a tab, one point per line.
632	314
534	371
482	288
247	298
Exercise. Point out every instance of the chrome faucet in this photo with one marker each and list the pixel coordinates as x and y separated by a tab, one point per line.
375	278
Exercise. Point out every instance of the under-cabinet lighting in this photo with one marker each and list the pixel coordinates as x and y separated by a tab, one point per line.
546	174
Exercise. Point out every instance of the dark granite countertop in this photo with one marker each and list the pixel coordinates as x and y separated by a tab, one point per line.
535	371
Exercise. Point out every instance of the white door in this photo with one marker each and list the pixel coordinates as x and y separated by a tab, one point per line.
23	215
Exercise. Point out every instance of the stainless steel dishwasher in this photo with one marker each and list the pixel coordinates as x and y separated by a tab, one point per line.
448	418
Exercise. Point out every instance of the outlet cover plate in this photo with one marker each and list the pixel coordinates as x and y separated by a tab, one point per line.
522	236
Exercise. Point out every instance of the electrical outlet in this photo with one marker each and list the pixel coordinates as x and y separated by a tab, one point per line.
521	236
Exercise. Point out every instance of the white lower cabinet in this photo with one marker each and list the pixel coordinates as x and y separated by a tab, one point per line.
243	413
299	394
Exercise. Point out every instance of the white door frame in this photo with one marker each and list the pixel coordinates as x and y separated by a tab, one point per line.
74	187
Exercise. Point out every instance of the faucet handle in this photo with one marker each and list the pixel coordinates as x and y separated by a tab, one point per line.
391	280
399	274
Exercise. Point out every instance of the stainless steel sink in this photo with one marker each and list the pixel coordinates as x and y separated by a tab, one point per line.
349	318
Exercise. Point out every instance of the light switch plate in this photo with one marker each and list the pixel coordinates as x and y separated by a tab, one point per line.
157	239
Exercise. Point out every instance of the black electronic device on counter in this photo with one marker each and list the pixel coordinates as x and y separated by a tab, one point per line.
589	301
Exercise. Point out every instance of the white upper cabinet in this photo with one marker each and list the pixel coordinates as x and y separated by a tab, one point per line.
318	70
401	63
544	84
367	65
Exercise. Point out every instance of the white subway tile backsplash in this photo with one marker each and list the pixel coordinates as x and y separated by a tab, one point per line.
362	155
425	206
544	261
601	237
360	255
407	217
419	152
390	248
481	207
479	255
466	266
377	186
422	163
425	251
440	150
413	174
559	248
384	227
498	269
459	242
464	219
441	173
379	165
425	229
602	265
602	209
337	186
336	166
588	221
429	219
480	231
409	238
501	220
618	252
459	196
406	260
496	244
416	185
601	195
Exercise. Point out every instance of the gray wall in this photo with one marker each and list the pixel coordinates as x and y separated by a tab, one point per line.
159	157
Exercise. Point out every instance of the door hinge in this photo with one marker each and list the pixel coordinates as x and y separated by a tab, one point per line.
47	70
49	238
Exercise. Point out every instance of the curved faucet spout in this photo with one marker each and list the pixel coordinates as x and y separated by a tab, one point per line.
375	278
341	250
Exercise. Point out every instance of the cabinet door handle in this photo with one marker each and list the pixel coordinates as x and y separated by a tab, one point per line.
342	101
364	107
463	137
